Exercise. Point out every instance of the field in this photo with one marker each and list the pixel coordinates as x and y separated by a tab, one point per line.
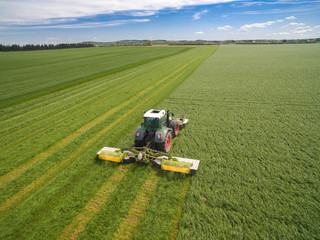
255	127
26	75
253	123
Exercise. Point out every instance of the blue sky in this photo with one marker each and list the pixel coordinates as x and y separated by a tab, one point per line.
63	21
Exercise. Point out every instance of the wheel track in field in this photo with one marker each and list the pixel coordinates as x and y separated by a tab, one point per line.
89	100
16	198
72	97
79	222
176	219
138	209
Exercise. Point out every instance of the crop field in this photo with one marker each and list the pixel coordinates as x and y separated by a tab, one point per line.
25	75
253	123
51	185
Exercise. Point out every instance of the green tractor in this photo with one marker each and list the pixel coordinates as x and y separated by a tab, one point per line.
158	130
153	142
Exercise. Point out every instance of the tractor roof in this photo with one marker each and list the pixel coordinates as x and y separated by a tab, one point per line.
154	113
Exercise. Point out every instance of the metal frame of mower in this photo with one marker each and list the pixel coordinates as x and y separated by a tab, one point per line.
146	155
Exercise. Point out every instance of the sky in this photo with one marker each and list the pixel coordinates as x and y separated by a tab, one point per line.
71	21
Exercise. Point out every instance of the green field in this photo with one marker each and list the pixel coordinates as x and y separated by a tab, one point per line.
255	126
253	123
26	75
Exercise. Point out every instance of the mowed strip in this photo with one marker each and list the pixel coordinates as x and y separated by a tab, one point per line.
93	100
98	99
17	171
176	219
15	199
78	224
138	209
57	106
54	98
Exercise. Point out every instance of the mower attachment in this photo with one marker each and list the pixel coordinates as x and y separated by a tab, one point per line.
159	159
110	154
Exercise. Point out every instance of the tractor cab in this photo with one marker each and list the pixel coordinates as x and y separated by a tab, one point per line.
154	119
157	130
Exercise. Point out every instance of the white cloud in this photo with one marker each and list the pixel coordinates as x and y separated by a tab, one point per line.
26	11
280	20
199	32
198	15
299	30
142	13
246	27
224	28
290	18
296	24
293	24
283	33
86	25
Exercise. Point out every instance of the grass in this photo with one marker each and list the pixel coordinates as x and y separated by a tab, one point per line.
28	75
254	124
177	164
49	176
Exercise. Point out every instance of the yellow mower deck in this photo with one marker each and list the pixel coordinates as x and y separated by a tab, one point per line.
175	164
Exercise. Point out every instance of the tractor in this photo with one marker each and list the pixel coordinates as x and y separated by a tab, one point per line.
158	130
153	143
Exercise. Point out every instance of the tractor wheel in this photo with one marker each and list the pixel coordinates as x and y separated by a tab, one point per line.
175	127
165	146
138	143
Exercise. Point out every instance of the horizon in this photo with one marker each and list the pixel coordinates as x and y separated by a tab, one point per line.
56	21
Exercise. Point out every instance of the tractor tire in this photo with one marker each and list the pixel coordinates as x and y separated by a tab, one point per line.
175	127
138	143
166	145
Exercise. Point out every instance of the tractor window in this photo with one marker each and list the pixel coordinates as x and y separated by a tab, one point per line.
151	122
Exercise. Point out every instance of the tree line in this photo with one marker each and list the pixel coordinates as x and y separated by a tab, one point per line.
32	47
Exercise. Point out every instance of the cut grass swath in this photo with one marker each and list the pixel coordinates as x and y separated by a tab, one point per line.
138	209
39	80
55	102
73	230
